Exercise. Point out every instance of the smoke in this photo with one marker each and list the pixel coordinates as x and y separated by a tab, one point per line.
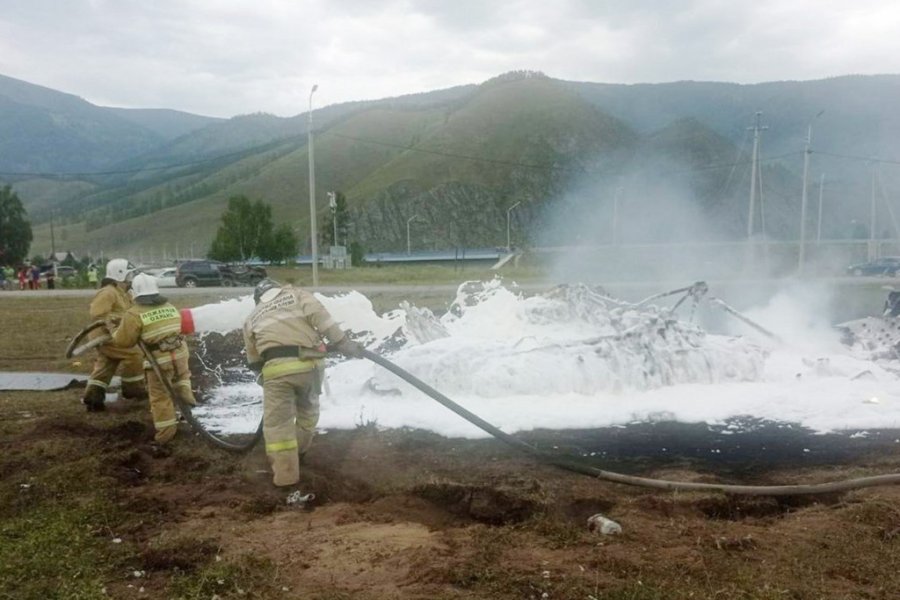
801	314
649	225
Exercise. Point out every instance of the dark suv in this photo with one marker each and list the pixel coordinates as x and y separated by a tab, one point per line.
195	273
886	265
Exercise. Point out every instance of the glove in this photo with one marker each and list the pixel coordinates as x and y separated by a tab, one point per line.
349	348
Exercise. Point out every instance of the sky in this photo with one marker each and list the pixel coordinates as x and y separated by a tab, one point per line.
223	58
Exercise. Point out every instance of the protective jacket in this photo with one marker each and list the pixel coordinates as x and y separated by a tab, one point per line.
283	338
110	303
158	325
293	319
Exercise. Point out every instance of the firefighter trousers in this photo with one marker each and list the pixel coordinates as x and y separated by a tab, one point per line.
108	360
162	406
290	415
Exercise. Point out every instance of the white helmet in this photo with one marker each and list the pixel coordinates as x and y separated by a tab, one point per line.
119	270
144	285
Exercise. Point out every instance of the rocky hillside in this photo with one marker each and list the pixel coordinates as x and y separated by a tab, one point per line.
667	160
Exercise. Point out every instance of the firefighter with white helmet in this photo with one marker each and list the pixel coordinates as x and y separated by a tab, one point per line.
109	304
153	320
283	339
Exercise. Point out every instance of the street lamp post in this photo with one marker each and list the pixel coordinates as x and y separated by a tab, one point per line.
508	239
312	193
408	244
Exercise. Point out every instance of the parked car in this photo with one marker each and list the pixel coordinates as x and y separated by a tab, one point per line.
165	277
886	265
62	271
194	273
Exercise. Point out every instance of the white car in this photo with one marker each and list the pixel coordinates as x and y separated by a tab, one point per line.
165	277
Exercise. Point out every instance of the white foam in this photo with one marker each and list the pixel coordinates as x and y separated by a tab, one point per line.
569	361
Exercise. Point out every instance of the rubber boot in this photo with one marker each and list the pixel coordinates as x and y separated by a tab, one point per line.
94	398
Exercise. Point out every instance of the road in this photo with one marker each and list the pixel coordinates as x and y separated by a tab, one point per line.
234	292
842	298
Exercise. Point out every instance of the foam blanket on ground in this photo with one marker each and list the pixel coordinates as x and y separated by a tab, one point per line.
571	358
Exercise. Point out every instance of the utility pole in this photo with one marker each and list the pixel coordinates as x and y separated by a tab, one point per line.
52	239
508	238
408	244
615	217
753	173
312	193
819	222
802	254
873	253
332	202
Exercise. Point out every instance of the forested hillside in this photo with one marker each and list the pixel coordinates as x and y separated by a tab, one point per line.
665	161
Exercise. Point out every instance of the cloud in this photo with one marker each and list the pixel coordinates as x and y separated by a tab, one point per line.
227	58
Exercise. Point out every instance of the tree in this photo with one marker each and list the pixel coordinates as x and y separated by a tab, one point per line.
282	245
245	232
15	229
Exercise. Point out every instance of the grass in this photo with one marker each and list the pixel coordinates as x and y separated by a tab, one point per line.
71	484
422	274
69	528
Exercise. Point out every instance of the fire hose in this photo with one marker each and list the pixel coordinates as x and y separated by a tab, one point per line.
566	463
660	484
79	346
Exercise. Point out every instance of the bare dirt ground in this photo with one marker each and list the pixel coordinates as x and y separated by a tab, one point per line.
88	509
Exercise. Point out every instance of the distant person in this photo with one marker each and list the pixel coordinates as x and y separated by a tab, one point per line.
35	278
22	278
92	276
10	274
51	279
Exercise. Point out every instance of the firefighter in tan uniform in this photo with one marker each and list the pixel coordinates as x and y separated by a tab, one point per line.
109	304
283	338
158	324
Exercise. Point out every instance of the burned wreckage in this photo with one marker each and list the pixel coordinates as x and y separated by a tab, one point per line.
877	337
586	339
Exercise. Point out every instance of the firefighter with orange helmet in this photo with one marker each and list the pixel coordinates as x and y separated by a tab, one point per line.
283	339
155	322
109	304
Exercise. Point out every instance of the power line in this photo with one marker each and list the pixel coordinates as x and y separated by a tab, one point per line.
870	159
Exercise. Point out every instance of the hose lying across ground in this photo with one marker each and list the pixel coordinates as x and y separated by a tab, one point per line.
661	484
236	447
78	346
568	464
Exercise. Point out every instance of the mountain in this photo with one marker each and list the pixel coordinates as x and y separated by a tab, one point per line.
42	130
665	161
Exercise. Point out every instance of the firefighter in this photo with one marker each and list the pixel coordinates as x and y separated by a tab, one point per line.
283	339
109	304
158	324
